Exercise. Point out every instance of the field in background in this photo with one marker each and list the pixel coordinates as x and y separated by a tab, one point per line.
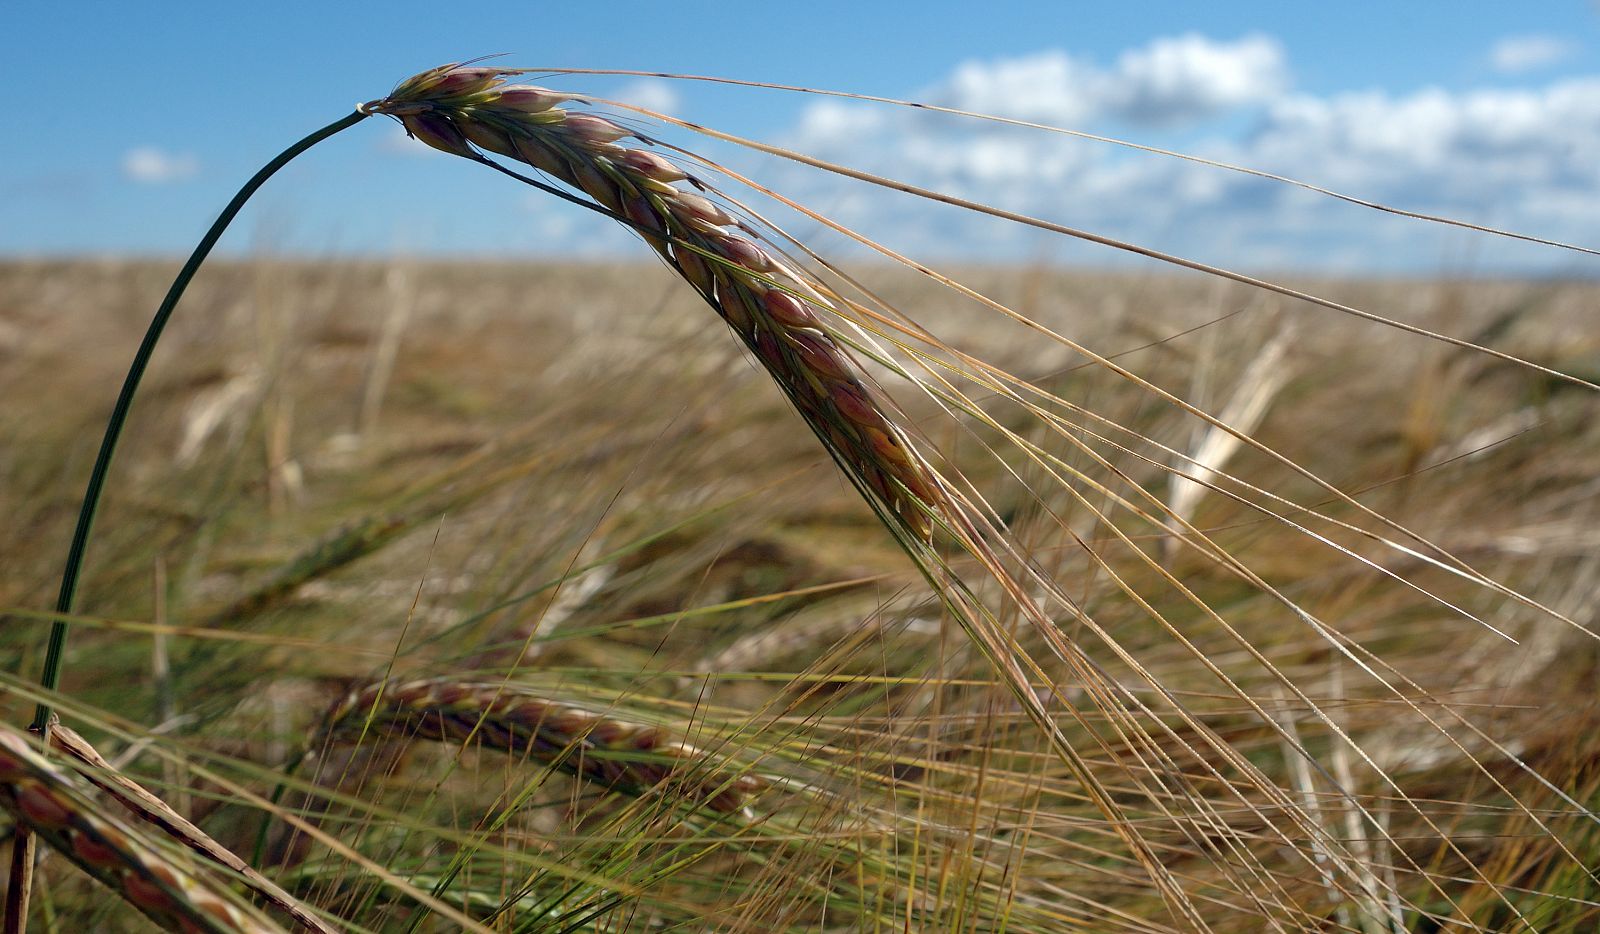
341	472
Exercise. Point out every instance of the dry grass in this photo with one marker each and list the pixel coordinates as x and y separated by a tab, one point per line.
574	483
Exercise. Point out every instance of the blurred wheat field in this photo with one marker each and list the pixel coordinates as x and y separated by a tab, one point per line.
566	478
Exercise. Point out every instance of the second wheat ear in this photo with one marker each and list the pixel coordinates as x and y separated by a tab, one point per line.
776	310
621	755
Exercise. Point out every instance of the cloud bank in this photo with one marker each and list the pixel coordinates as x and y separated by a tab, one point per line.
1525	158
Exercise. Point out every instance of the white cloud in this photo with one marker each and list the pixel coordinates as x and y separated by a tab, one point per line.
651	94
1047	87
148	165
832	120
1517	54
1190	77
1169	81
1522	158
1467	149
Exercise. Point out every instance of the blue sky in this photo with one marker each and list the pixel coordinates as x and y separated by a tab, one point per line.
133	123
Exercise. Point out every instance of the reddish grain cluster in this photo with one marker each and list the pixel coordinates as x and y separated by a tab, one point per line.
631	758
468	111
50	802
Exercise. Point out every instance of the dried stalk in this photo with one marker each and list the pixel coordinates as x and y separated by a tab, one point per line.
151	809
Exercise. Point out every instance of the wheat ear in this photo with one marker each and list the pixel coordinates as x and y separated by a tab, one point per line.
152	810
632	758
771	305
55	806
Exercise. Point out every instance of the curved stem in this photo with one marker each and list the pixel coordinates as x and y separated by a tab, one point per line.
119	414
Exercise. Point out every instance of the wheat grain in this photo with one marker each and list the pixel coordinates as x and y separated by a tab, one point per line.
769	304
632	758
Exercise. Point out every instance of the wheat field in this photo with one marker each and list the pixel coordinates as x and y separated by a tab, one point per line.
517	596
565	476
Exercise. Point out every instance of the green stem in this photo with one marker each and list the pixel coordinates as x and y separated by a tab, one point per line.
119	414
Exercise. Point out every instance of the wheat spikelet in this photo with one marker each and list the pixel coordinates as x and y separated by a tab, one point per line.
55	807
769	303
632	758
